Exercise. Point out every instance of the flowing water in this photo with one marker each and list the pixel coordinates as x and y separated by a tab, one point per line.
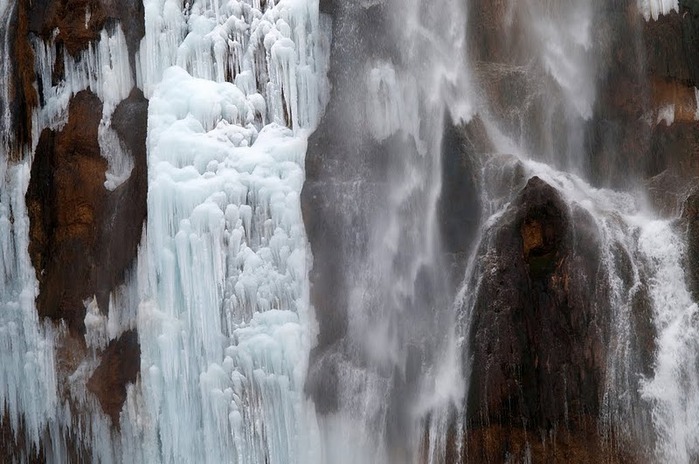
238	360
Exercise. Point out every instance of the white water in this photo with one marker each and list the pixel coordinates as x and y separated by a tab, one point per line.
659	412
397	302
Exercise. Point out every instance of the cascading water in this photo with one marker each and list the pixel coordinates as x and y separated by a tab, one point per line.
395	368
315	277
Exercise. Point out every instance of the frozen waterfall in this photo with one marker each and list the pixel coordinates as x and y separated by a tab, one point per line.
334	189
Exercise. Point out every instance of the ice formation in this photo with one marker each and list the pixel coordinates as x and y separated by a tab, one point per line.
225	328
219	293
102	68
653	9
229	251
221	280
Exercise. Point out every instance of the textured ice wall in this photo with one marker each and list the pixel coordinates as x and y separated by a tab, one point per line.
272	52
104	69
27	367
29	388
225	335
654	8
225	340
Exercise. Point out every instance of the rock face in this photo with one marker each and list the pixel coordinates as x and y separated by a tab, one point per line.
119	366
459	206
538	336
83	237
80	21
690	217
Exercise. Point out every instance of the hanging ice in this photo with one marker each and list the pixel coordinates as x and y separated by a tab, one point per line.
225	341
654	8
225	336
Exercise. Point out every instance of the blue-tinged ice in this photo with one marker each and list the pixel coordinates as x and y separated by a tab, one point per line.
225	338
226	329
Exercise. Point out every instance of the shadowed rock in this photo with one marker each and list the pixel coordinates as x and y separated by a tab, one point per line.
540	325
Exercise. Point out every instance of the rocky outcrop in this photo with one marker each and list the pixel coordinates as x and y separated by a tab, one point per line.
83	237
119	366
690	218
538	335
79	22
65	197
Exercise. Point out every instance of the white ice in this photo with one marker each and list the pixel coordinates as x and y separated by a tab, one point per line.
225	338
219	293
653	9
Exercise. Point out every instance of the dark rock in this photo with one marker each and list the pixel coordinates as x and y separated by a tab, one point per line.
459	203
84	238
690	218
65	196
69	17
23	97
539	330
123	216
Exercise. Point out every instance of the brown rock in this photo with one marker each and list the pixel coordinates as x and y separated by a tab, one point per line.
690	218
497	444
538	331
65	195
666	92
119	366
84	238
80	22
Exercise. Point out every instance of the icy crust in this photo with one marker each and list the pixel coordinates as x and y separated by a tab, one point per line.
224	339
104	69
653	9
27	365
276	54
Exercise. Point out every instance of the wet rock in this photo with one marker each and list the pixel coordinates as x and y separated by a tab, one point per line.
501	444
119	366
80	22
65	196
23	97
690	218
123	216
539	331
459	205
16	445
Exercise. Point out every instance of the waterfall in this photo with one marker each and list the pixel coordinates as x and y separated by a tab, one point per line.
377	231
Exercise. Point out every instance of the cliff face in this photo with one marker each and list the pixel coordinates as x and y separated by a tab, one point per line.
83	237
539	326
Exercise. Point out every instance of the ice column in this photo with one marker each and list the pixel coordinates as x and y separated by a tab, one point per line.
225	335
